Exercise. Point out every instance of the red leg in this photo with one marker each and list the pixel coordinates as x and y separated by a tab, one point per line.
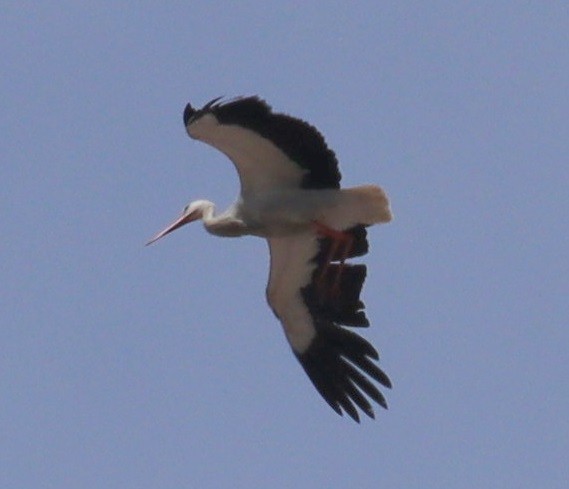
339	238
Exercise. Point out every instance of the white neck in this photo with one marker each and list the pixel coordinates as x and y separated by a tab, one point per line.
227	224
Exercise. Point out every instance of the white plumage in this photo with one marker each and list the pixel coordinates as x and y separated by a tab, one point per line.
290	195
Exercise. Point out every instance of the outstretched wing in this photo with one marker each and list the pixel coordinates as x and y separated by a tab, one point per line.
339	362
267	148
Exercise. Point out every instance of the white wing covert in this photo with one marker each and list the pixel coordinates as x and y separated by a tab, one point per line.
338	361
315	295
268	149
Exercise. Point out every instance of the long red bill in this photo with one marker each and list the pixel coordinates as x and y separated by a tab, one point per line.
178	223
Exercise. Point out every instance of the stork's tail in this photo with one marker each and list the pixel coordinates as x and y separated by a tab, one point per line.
369	203
364	205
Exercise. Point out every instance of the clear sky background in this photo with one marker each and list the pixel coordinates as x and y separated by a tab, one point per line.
123	366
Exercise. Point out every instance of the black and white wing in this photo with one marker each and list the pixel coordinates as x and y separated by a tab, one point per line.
268	149
339	362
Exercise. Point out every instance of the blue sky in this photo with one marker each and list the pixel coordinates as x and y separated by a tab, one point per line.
125	366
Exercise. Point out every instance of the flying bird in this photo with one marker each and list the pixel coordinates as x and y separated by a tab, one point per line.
291	196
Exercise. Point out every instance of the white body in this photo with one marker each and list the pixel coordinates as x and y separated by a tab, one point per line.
275	204
288	212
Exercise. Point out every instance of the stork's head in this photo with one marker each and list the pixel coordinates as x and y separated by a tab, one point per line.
192	212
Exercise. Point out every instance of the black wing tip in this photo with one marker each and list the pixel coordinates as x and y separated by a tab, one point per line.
298	139
339	362
240	106
386	382
330	362
189	112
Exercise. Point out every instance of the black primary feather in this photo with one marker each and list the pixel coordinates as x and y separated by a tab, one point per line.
299	140
339	362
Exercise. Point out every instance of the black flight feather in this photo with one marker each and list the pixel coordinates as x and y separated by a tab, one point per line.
299	140
339	362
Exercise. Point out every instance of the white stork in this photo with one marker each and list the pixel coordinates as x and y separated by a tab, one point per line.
290	195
